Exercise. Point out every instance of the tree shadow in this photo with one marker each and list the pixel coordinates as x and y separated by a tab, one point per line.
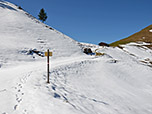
7	7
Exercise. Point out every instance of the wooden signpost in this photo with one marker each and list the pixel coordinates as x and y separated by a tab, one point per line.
48	64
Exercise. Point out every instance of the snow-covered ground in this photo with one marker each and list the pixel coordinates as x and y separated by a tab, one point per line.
119	82
20	32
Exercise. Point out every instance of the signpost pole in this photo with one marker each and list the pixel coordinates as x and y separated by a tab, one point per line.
48	77
48	65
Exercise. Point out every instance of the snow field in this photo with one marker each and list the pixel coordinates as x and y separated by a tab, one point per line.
119	82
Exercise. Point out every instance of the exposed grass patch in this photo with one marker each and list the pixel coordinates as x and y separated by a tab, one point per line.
142	36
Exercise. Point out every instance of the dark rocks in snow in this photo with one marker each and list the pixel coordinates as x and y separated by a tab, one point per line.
32	51
87	50
103	44
19	7
49	27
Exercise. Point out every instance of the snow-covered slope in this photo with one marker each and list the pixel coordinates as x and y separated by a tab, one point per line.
119	82
20	32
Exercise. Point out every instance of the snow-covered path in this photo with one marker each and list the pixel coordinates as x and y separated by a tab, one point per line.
20	86
83	85
12	81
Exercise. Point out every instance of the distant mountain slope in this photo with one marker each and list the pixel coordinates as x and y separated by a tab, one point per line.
21	32
145	35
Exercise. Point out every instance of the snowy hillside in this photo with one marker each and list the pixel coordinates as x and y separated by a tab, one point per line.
118	82
20	32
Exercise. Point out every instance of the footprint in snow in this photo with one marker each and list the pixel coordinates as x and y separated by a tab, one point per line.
53	88
15	107
56	95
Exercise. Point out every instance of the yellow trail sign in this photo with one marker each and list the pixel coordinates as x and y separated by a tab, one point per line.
46	53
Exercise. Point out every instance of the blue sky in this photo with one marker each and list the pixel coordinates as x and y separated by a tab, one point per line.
93	21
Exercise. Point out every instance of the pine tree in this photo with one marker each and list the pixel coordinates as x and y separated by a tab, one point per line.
42	15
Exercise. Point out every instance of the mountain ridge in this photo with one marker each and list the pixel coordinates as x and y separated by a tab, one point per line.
145	35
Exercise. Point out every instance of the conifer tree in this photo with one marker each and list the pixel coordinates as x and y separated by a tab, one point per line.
42	15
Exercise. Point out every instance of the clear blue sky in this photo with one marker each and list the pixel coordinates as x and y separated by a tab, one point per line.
93	21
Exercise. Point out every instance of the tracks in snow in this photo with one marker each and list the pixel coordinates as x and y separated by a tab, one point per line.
64	90
19	90
31	85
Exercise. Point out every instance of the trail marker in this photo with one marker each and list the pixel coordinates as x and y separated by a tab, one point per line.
46	53
48	64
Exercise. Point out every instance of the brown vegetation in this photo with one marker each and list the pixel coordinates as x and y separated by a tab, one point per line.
145	35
